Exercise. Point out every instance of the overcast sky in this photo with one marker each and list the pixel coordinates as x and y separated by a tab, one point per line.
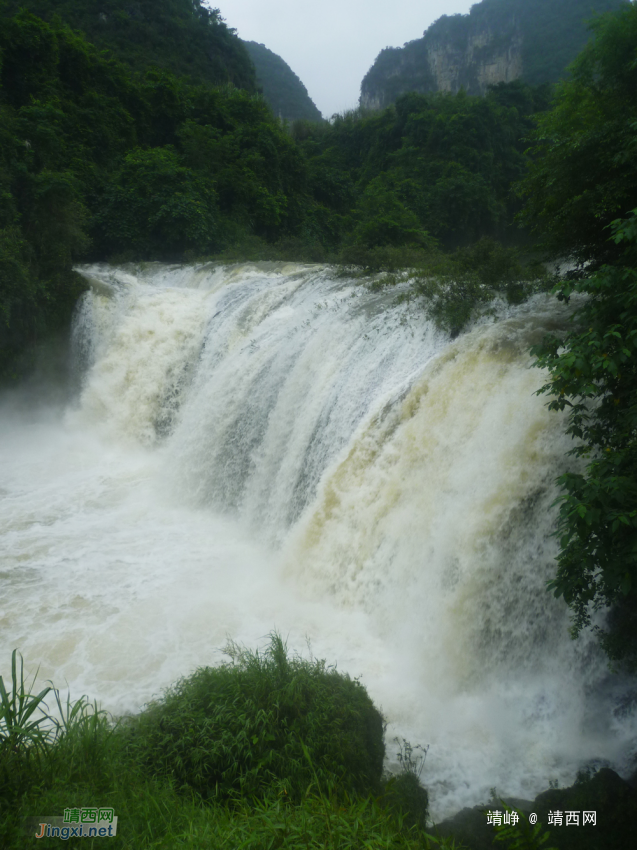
331	44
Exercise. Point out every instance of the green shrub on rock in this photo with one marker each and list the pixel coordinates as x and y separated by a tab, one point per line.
405	795
263	721
402	791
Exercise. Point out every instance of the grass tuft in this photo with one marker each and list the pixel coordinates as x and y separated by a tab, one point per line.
266	751
242	728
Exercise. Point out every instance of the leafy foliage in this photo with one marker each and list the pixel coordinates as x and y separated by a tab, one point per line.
21	713
86	757
437	165
594	376
265	720
403	791
154	200
522	835
79	733
582	177
183	37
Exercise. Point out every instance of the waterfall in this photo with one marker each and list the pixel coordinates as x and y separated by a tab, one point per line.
263	446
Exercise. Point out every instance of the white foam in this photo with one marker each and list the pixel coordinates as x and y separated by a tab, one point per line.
265	446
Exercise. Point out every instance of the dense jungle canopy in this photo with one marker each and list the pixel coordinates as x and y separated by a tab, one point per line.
181	36
102	159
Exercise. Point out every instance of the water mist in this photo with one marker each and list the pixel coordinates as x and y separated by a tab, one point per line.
268	446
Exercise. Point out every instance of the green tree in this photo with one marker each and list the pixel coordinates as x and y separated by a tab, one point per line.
383	219
98	160
447	160
155	206
593	375
180	36
583	175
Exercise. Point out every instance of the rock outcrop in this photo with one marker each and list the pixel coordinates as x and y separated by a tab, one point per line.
612	800
498	41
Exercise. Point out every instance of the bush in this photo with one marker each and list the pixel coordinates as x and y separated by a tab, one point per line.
316	719
402	792
455	287
259	723
405	795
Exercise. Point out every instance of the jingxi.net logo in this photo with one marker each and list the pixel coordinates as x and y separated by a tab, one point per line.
88	822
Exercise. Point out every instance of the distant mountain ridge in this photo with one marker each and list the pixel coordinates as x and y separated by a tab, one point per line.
281	87
180	36
184	37
498	41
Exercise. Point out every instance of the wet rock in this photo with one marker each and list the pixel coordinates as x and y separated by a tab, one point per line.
560	811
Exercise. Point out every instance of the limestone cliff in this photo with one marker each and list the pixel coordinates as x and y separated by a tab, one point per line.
498	41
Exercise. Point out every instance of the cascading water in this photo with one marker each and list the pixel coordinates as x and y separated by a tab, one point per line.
267	446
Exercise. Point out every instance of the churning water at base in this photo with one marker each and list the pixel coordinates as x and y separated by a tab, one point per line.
267	446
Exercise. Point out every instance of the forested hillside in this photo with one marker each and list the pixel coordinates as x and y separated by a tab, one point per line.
283	90
181	36
498	41
100	161
431	166
96	161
